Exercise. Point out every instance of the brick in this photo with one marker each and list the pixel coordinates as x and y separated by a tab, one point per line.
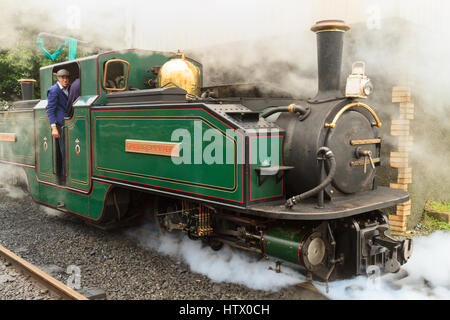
403	212
406	214
398	229
404	204
404	171
401	95
397	218
399	160
399	186
404	126
404	180
400	132
406	107
401	99
402	175
399	154
404	110
407	116
399	165
400	122
400	89
398	223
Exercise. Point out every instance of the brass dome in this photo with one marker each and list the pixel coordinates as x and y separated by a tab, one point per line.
182	73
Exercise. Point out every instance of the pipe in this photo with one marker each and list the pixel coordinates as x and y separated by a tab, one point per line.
293	108
330	156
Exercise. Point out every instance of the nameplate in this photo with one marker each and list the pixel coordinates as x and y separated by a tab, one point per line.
9	137
167	149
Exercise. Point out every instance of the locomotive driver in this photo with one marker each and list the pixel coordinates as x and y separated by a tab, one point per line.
56	111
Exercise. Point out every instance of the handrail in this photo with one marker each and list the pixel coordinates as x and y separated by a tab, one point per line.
377	122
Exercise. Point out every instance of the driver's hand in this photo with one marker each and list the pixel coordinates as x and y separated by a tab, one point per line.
55	133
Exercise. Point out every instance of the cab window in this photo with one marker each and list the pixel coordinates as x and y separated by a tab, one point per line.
115	76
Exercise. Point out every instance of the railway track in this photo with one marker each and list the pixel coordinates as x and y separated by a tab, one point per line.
44	280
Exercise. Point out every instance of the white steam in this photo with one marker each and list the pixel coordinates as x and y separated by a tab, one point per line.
10	179
51	212
428	269
226	265
428	276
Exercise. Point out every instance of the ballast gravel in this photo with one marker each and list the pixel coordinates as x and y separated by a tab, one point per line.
109	260
17	286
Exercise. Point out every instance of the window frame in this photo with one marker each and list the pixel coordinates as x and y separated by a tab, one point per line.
105	69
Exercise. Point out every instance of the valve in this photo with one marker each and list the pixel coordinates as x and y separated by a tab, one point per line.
366	154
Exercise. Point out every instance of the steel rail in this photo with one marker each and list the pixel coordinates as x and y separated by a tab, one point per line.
50	283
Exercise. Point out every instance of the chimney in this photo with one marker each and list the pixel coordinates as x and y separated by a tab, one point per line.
27	86
330	41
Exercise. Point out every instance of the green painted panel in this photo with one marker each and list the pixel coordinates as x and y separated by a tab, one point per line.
89	77
265	152
86	205
78	149
198	173
44	146
46	81
20	127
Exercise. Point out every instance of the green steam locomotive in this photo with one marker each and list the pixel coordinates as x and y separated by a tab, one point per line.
282	177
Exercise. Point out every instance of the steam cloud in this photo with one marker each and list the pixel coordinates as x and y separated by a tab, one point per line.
428	276
227	265
428	269
10	178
